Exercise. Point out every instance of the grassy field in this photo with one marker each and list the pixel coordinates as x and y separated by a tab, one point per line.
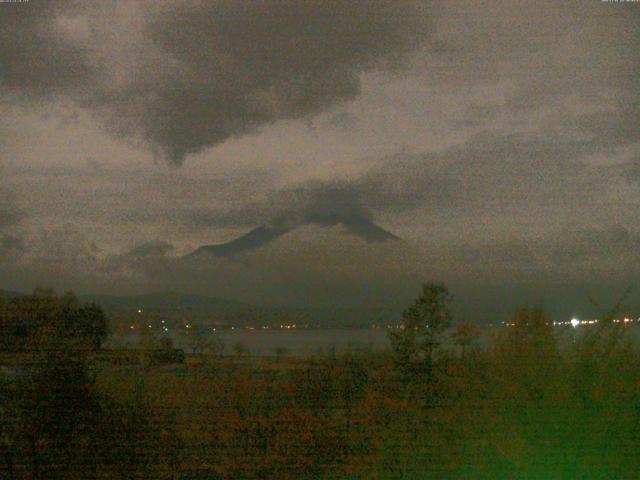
521	409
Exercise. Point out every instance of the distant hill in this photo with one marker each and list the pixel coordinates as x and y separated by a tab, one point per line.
256	238
357	226
162	300
180	308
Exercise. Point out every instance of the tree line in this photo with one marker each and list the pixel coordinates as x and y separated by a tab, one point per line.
536	402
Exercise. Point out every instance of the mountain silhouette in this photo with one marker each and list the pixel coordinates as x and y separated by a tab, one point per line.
355	225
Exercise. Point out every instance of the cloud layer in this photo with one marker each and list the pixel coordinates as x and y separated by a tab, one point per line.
503	149
183	76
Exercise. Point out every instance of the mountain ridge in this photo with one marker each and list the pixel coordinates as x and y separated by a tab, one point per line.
179	307
263	235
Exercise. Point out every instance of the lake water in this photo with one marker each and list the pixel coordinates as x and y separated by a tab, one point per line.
313	342
262	343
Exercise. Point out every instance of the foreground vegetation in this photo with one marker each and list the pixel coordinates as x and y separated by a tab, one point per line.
539	403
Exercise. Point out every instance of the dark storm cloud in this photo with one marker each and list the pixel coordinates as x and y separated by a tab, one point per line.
612	243
509	253
510	169
320	200
631	169
491	171
611	128
198	73
7	216
549	50
240	217
61	246
343	120
144	262
565	249
36	58
151	249
10	214
10	246
323	204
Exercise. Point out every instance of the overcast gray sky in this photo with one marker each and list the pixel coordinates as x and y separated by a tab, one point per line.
500	140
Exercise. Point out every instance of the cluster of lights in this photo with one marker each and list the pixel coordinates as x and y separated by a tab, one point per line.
133	327
574	322
247	327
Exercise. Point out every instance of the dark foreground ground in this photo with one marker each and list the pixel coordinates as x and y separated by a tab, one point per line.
521	407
